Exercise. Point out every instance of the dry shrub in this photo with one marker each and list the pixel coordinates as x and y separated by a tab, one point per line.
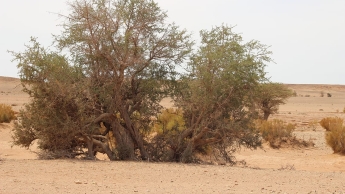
6	113
58	154
162	143
279	134
274	131
328	122
335	133
335	138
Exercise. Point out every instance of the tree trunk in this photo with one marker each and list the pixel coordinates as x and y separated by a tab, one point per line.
124	143
266	115
89	141
103	148
138	140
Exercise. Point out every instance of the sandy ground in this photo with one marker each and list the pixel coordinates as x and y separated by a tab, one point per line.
267	170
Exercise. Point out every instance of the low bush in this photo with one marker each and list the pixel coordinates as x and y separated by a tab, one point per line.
169	120
331	122
6	113
335	138
322	94
279	134
162	142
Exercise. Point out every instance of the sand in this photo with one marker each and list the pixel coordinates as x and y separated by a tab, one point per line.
267	170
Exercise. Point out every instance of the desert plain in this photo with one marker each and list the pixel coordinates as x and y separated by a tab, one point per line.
265	170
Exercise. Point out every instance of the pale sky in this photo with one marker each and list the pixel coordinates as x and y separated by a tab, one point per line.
307	37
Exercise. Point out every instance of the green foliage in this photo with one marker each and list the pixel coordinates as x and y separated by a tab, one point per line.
329	122
335	137
169	120
121	62
223	74
127	68
56	113
6	113
270	96
164	139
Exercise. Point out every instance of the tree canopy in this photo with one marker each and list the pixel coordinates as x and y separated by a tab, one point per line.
122	60
270	96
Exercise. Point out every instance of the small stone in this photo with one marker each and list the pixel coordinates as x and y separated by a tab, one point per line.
77	182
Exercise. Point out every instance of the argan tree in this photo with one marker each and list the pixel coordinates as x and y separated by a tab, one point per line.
115	61
58	110
126	54
270	96
224	73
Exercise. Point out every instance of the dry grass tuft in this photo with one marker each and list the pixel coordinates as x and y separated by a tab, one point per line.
335	134
280	134
6	113
328	122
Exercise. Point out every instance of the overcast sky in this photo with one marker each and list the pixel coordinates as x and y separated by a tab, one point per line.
307	37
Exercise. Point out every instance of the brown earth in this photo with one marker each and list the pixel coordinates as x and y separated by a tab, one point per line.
267	170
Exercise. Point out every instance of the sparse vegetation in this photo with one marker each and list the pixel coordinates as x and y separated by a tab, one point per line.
129	66
275	131
6	113
279	134
331	122
313	124
270	96
287	167
322	94
335	134
329	95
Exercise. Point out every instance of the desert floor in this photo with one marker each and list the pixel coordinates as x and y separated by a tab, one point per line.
267	170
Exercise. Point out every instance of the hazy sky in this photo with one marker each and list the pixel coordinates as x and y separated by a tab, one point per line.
307	37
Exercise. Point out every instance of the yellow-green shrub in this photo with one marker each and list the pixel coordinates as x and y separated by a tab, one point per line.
163	144
279	134
275	131
328	122
169	120
6	113
335	138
